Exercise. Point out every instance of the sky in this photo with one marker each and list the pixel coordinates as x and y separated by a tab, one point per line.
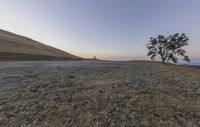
107	29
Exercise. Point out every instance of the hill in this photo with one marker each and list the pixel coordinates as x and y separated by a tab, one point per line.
98	94
17	47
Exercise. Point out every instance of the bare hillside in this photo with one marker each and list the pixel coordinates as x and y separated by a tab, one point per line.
16	47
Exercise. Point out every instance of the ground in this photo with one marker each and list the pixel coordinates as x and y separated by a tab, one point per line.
97	93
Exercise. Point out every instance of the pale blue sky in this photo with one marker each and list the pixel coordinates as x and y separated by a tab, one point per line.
107	29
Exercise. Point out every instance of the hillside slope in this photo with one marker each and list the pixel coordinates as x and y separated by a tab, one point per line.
17	47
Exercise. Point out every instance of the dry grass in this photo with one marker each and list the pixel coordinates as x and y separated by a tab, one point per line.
140	94
15	47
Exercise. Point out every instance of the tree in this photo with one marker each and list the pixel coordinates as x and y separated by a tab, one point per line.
168	48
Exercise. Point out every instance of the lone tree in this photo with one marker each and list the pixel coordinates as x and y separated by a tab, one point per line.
168	48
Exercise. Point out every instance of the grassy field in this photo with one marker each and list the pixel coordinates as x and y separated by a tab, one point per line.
32	57
16	47
96	93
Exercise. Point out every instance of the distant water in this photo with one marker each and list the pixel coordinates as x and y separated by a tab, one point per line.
192	62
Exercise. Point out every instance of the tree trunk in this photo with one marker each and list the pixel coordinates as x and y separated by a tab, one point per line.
163	61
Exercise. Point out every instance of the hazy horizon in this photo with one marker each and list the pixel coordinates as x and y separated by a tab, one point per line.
107	29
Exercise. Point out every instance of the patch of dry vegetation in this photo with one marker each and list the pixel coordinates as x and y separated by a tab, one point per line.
139	93
16	47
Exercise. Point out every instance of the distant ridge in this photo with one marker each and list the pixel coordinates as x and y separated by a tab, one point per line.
17	47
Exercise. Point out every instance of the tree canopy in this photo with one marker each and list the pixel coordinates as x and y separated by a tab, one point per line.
168	48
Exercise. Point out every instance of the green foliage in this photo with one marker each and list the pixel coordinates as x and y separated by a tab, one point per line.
168	48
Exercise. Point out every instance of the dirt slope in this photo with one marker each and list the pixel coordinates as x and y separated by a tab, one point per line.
16	47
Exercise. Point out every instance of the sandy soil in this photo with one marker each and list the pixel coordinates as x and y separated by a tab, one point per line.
104	94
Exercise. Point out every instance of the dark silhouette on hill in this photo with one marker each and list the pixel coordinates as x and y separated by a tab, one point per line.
168	48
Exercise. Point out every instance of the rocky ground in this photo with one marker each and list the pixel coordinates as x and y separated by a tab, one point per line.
104	94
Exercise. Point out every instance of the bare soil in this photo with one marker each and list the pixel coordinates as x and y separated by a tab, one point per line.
98	94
